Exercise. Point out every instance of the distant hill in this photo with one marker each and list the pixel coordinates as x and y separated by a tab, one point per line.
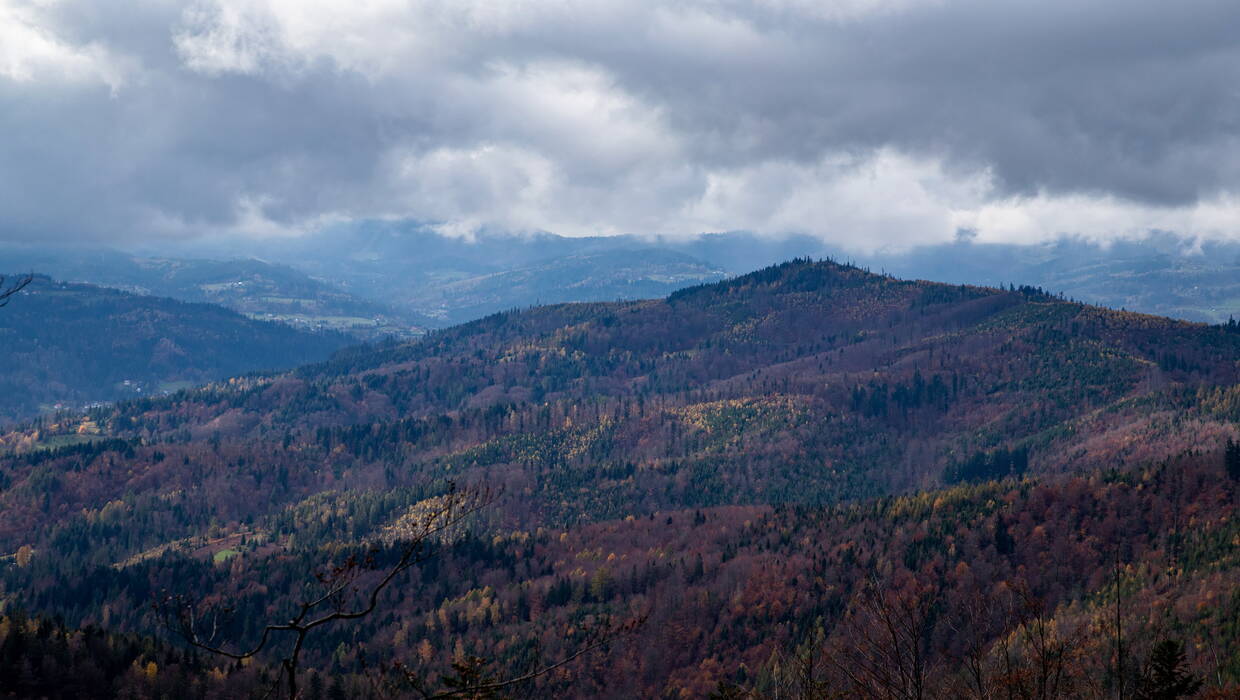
457	279
1161	274
380	279
609	276
255	288
413	266
1198	281
66	345
387	284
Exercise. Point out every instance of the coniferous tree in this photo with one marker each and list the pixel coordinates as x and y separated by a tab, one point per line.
1231	460
1165	677
1004	543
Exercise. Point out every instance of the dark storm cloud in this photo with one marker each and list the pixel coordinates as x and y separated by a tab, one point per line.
862	121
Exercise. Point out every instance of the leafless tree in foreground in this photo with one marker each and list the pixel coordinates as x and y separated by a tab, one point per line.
9	288
351	591
885	651
879	650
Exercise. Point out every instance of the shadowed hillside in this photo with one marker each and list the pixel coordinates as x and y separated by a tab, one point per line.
71	344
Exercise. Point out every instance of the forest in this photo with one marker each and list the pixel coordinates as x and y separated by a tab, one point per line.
808	481
71	345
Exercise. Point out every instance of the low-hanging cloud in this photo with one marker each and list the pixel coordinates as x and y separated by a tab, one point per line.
868	122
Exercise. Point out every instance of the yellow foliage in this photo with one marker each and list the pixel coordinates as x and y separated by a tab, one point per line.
426	652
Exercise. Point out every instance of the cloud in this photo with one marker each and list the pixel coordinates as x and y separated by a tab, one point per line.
871	123
31	51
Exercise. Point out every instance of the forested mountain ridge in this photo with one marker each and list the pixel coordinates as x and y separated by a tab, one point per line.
71	344
800	387
392	279
882	350
380	286
258	289
806	382
406	264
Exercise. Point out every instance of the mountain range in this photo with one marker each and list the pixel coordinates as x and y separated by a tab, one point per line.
750	466
1161	273
258	289
389	278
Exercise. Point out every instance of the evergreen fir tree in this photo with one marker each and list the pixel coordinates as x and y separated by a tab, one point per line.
1164	677
1231	460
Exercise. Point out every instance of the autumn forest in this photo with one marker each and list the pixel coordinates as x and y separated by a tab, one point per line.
811	481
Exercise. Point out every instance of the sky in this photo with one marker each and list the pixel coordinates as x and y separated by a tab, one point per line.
873	124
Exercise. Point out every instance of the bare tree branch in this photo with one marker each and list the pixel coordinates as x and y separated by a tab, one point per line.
183	616
885	651
9	289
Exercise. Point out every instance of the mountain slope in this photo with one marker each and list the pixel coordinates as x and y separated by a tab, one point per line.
252	287
72	344
726	458
807	382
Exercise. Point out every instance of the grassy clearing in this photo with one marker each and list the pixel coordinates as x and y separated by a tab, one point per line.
224	555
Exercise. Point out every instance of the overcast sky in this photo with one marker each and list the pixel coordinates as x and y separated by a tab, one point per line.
870	123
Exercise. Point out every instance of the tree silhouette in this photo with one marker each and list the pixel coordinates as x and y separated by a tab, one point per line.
1164	676
9	289
348	591
1231	460
885	652
351	591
